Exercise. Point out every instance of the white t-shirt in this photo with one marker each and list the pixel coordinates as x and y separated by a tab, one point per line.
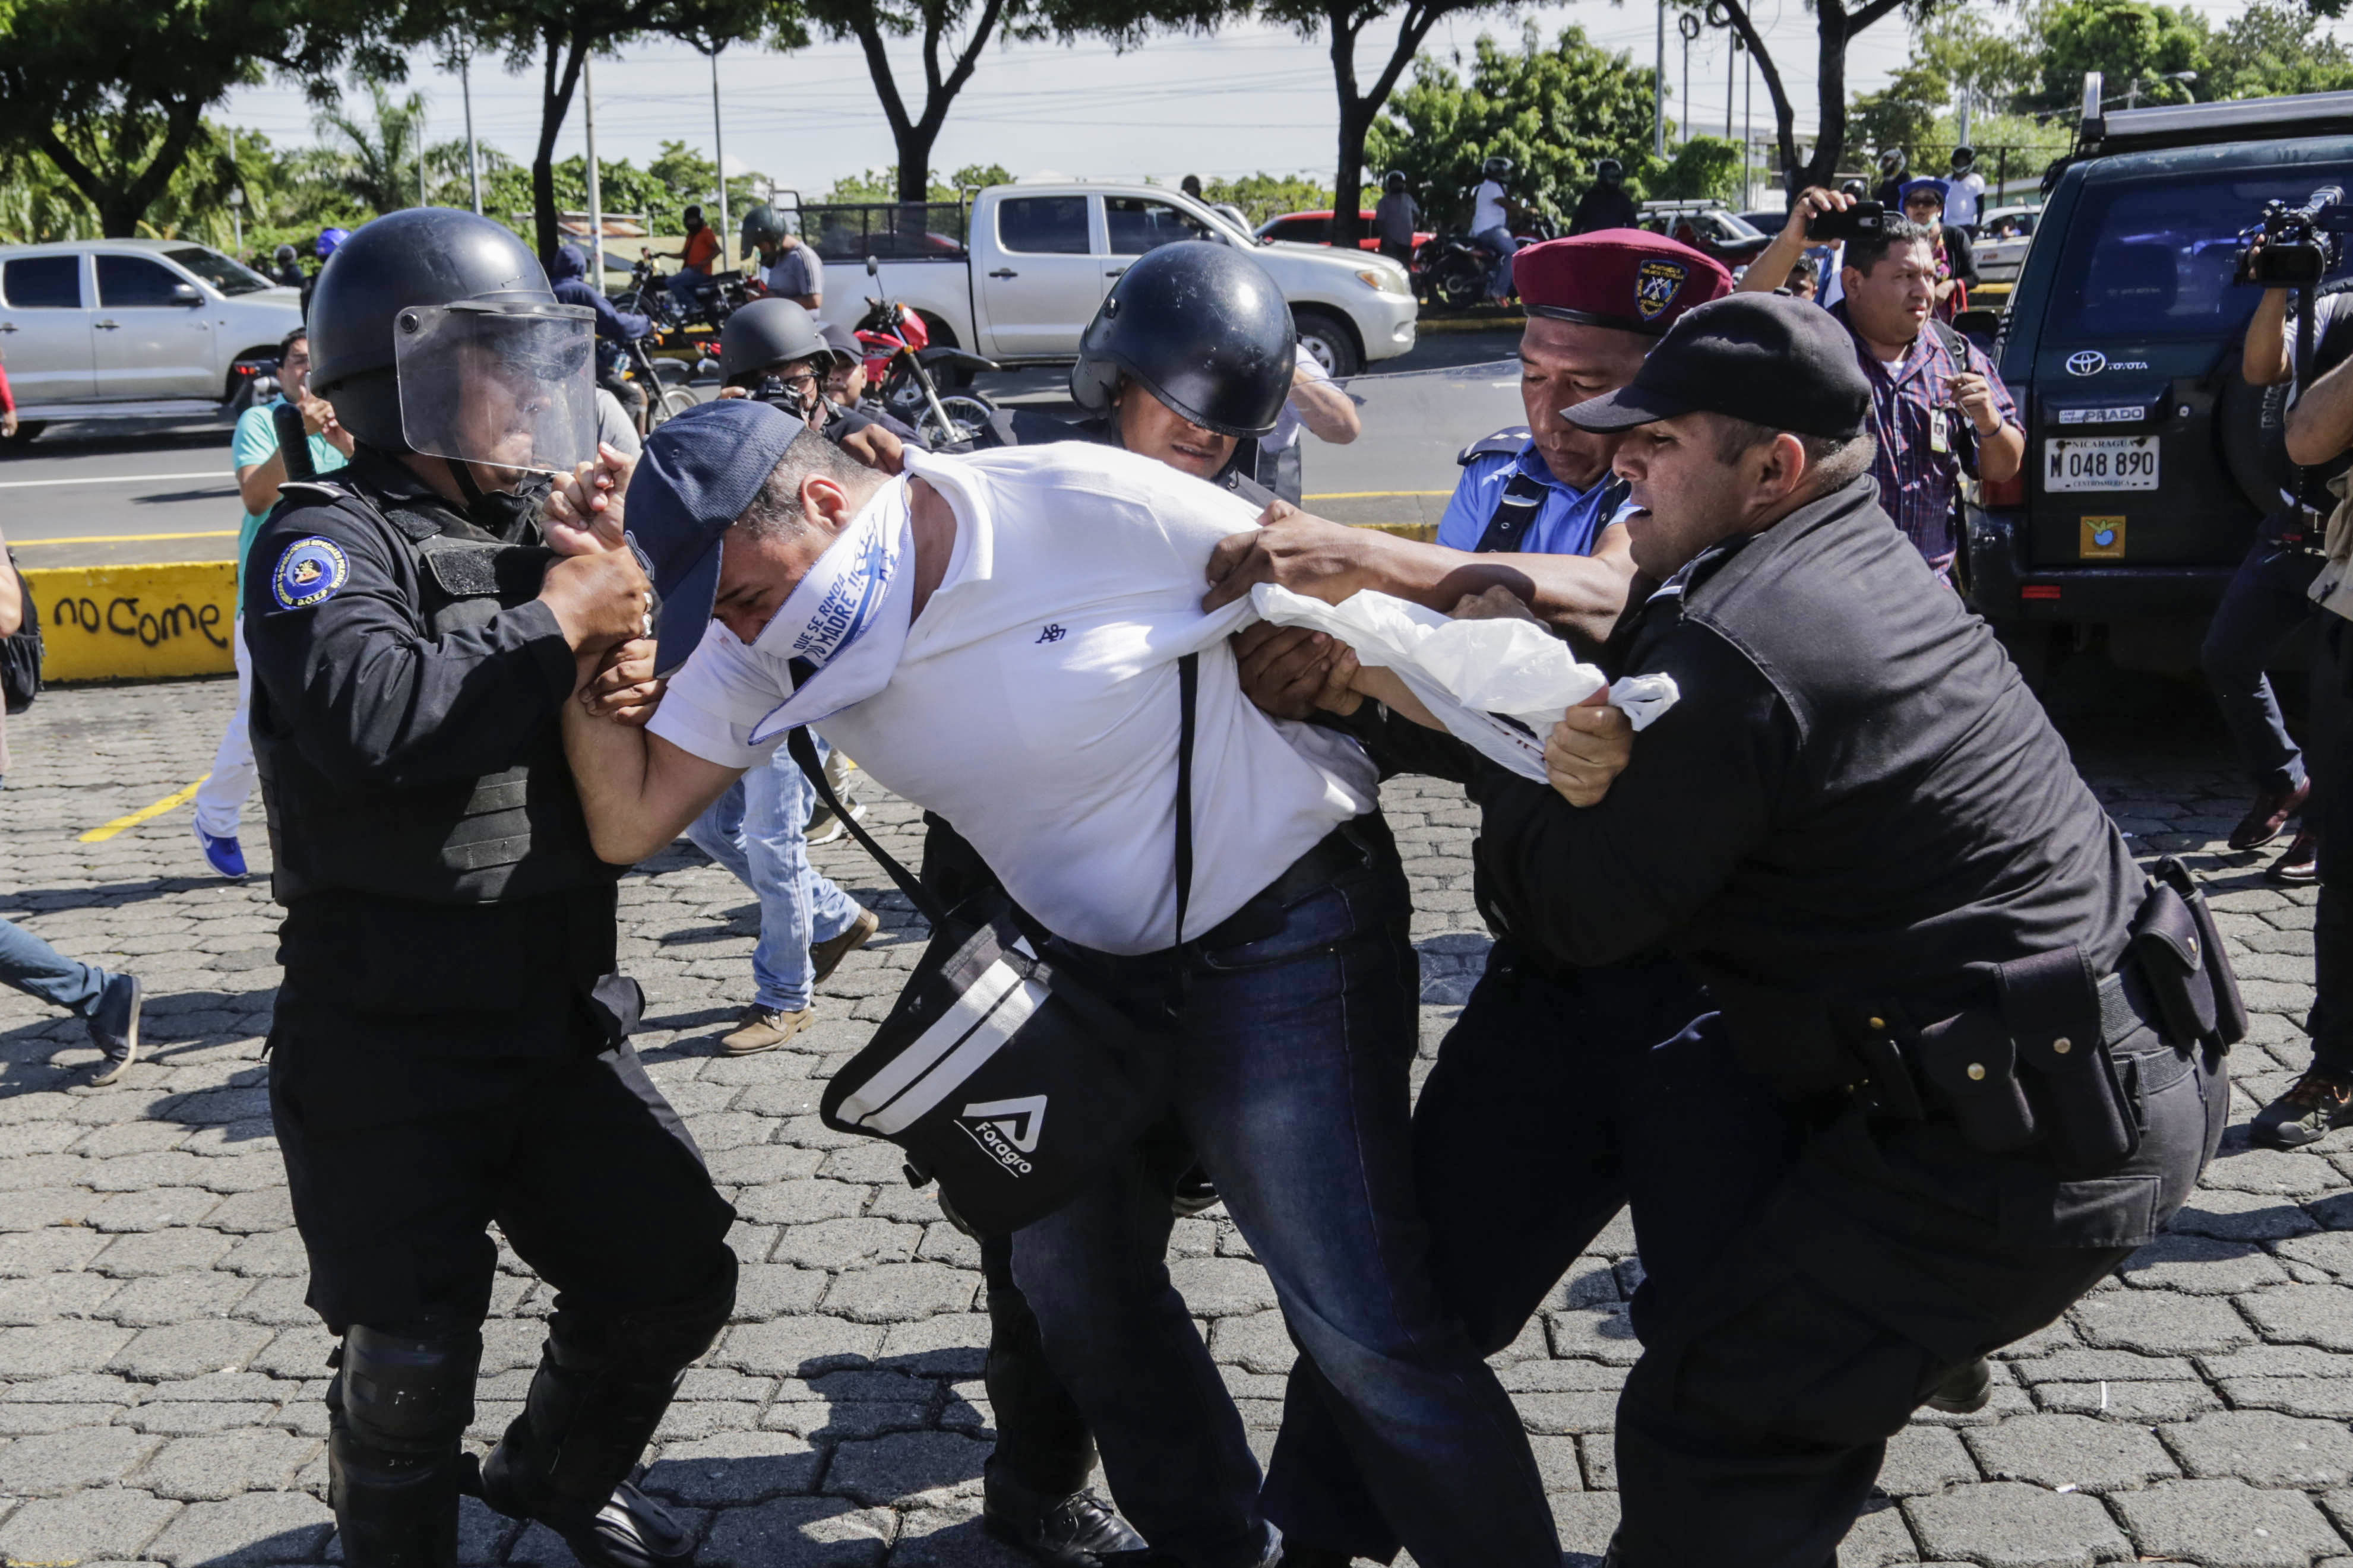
1035	705
1287	425
1487	207
1961	198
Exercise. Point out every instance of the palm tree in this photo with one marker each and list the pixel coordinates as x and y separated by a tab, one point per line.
377	164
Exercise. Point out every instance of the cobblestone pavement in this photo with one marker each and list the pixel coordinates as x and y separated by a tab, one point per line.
160	1378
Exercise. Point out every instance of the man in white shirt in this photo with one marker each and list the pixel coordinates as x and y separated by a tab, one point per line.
1490	224
1965	191
996	638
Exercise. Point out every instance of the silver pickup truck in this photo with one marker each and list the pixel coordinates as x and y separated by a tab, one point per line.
116	328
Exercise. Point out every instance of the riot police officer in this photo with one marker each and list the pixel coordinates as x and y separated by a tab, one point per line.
774	351
450	1048
1188	360
1605	203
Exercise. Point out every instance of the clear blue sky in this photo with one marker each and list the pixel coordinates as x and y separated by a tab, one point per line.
1250	99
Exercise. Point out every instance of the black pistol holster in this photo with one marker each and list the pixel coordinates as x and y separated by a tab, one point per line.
2029	1063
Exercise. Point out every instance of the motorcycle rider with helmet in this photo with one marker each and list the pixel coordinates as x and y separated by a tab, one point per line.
1605	203
1490	224
790	268
286	271
1395	218
615	329
450	1042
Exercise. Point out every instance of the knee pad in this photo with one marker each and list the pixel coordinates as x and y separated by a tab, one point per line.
406	1395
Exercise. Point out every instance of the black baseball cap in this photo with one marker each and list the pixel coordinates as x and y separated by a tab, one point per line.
1783	363
697	474
837	338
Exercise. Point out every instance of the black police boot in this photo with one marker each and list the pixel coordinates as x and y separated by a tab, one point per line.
1071	1529
602	1386
395	1412
1965	1391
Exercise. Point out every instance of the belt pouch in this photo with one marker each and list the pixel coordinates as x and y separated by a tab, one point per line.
2052	1003
1972	1063
2166	946
2229	1008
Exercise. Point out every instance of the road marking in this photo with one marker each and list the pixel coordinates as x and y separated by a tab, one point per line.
112	479
1371	495
101	835
122	538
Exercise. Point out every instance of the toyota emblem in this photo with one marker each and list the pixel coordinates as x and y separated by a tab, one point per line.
2087	362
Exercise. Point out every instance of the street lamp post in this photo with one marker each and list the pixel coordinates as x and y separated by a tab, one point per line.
719	150
1659	90
1687	26
595	190
474	158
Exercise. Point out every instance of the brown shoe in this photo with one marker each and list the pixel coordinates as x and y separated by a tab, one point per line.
824	957
764	1029
2267	818
2301	863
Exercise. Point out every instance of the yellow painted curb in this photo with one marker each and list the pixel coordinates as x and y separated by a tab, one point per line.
1427	533
135	623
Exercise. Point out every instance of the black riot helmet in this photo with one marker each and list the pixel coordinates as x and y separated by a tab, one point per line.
764	333
425	317
1202	328
1394	183
1611	172
762	226
284	256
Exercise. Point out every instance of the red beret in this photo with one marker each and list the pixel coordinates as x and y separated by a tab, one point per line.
1623	277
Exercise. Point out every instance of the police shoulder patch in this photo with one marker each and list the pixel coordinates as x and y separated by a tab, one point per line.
309	572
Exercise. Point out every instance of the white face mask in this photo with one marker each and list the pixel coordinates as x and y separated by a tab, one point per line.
845	623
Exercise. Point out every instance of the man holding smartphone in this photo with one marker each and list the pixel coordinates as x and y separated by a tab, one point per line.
1937	409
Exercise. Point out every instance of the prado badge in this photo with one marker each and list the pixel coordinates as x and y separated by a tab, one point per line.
308	574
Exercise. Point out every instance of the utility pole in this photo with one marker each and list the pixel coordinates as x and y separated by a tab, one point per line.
474	158
237	197
595	190
1731	70
1659	91
719	150
1687	27
1748	130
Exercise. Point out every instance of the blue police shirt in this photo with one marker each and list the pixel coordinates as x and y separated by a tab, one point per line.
1569	523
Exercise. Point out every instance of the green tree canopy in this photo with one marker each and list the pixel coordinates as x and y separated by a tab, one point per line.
113	92
2126	41
1553	109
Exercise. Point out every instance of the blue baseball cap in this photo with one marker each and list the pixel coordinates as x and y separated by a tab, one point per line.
698	472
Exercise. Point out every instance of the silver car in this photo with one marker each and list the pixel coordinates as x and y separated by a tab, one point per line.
111	329
2003	235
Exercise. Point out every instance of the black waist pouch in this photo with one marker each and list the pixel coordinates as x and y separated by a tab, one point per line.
2180	954
1010	1078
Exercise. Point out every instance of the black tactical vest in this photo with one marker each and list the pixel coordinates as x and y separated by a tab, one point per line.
516	834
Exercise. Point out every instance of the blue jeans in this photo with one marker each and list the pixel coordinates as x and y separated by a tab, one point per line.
1502	242
36	969
686	286
2261	610
758	830
1289	1081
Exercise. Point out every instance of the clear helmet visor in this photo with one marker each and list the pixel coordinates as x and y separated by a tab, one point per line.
509	386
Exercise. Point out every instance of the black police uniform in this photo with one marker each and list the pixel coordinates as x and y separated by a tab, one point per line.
1604	206
450	1044
1859	830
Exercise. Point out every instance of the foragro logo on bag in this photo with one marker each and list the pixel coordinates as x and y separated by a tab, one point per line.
1007	1129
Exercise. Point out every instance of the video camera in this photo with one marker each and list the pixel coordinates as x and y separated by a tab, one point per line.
2296	247
1860	221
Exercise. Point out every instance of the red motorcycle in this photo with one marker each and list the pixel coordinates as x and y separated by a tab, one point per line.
900	364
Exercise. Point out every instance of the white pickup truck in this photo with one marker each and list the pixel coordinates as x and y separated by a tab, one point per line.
1018	273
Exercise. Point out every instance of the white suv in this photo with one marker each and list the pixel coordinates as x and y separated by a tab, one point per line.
111	329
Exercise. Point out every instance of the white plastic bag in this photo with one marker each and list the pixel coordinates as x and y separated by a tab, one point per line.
1498	685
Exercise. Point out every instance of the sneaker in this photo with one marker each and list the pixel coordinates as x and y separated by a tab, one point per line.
2320	1101
224	855
1195	1194
824	827
2301	861
2267	818
824	957
764	1029
1079	1531
114	1028
1965	1391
